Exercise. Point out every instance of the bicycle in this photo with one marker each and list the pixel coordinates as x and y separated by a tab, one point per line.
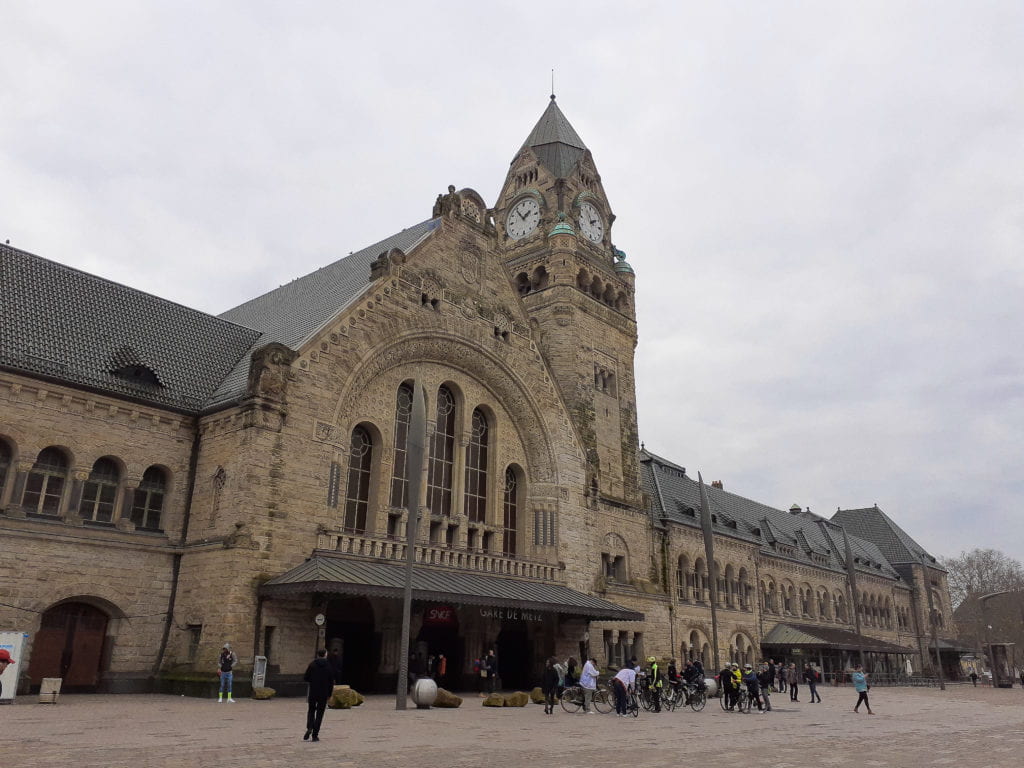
632	703
743	701
604	702
696	697
572	699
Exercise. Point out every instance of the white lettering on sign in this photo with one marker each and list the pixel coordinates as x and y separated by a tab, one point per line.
511	613
440	614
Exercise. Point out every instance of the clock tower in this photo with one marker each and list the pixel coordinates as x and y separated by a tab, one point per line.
554	226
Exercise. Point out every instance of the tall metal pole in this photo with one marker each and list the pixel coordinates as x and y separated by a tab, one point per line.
709	553
851	576
935	629
415	445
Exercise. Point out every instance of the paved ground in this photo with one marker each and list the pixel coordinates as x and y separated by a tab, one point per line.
912	727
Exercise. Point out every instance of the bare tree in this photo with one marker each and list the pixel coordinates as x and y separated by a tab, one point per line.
979	572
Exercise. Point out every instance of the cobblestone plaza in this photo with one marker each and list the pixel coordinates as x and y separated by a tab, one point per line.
962	726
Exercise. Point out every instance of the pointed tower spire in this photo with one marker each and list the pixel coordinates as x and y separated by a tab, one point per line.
555	141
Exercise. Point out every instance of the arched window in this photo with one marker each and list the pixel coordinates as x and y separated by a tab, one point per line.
148	504
46	481
100	492
357	496
442	456
5	466
684	579
476	470
511	512
400	475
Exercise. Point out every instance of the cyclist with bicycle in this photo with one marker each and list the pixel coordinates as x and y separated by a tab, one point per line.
753	687
623	684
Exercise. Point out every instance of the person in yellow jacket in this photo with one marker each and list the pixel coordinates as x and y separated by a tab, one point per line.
654	682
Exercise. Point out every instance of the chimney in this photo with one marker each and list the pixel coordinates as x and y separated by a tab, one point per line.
716	484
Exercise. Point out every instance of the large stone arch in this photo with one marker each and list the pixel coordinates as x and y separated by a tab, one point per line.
488	369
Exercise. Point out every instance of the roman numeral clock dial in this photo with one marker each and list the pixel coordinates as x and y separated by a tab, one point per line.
591	224
523	218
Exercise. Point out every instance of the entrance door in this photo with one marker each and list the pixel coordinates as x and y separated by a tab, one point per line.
514	657
69	645
350	625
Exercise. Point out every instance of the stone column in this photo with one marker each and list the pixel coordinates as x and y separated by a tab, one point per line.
14	507
73	501
123	510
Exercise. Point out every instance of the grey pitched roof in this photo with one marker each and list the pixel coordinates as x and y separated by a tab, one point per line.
813	636
327	573
873	524
67	325
678	499
295	311
555	142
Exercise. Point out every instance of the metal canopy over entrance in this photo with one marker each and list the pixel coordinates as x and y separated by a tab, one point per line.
327	574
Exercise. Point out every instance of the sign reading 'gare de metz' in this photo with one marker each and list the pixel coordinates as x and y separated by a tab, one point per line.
446	615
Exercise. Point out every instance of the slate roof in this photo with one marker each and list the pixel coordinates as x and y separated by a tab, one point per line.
292	313
347	575
64	324
873	524
675	496
555	142
813	636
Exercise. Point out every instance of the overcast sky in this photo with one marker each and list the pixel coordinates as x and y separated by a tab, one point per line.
822	201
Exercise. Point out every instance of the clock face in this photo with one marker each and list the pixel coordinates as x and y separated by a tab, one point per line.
523	218
591	224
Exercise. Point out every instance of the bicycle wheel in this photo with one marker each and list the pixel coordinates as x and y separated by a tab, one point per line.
572	699
697	700
634	708
646	699
603	701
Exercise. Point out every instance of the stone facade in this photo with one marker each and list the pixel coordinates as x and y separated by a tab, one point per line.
524	346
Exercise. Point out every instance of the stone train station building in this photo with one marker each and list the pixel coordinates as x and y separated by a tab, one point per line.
171	480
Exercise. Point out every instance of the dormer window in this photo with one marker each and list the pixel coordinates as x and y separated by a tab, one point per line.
138	374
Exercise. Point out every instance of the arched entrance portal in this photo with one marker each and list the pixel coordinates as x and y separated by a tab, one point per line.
439	634
350	629
514	656
70	645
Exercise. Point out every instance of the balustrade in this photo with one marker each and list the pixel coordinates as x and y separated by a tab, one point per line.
435	554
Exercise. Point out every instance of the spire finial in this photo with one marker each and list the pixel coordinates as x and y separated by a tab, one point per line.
552	83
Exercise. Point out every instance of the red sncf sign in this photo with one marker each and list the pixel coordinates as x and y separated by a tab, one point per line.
439	615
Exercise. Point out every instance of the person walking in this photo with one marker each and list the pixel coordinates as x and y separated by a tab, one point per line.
974	677
491	669
549	685
811	678
588	682
623	682
793	681
782	672
320	677
860	683
766	676
442	668
771	675
225	668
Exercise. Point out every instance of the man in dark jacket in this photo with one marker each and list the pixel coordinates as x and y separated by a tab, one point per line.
726	681
811	678
320	677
